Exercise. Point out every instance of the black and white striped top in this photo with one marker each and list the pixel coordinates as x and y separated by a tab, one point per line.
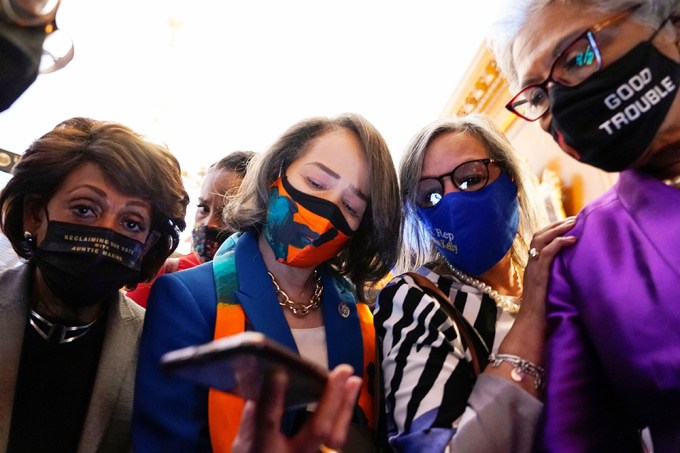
426	372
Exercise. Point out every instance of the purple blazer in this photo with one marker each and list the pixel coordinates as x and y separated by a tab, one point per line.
613	352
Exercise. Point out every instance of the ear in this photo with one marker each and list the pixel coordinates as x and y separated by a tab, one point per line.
34	213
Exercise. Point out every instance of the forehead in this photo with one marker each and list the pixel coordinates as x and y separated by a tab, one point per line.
335	145
219	182
91	175
451	149
87	174
544	33
341	151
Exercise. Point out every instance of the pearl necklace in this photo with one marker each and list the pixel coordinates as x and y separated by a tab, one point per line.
299	310
505	303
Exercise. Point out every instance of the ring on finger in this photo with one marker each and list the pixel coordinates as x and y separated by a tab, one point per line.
533	253
323	448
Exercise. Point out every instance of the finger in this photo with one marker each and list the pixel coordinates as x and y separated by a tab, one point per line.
270	407
537	276
338	436
320	426
550	250
547	234
246	430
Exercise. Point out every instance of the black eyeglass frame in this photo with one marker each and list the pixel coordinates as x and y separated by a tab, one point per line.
441	179
590	36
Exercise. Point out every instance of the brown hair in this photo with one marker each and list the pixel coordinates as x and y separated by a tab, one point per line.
236	161
372	252
132	164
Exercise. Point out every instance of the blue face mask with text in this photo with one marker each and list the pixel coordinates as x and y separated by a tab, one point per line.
474	230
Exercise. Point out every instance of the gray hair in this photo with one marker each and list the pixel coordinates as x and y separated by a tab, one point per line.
372	252
418	245
514	14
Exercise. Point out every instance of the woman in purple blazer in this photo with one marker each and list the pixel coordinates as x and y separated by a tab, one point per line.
602	78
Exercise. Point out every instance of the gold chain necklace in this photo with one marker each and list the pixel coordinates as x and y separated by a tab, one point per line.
298	309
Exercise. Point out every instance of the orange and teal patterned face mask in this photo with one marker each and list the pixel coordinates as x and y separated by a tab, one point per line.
303	230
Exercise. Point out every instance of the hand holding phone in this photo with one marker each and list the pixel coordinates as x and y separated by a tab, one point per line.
239	364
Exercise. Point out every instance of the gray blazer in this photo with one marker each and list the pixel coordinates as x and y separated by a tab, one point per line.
107	424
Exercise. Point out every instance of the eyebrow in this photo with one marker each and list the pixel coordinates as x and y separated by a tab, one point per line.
326	169
103	194
565	41
334	175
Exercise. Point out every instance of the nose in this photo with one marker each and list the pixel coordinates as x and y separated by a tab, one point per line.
215	219
109	220
449	186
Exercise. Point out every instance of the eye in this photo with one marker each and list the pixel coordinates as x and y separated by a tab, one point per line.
536	97
577	63
314	183
203	209
353	212
430	192
133	225
434	198
83	211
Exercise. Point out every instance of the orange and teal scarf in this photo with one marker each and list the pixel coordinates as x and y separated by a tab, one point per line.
224	410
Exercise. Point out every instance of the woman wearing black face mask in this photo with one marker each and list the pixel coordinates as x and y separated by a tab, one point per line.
609	96
222	178
92	207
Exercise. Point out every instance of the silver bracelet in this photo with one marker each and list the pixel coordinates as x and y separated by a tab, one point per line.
520	368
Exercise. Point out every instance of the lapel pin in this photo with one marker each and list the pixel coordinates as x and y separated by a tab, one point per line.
343	309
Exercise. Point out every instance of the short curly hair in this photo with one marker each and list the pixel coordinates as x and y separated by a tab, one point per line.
132	164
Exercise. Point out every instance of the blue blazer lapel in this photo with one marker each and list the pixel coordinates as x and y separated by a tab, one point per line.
343	334
256	293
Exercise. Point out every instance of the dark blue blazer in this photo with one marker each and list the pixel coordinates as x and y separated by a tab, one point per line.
171	414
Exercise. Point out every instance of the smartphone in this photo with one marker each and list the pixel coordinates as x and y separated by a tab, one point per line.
238	364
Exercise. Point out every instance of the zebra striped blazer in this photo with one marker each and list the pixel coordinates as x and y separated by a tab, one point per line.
427	374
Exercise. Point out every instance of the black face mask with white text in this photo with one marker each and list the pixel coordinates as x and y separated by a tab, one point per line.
612	117
84	265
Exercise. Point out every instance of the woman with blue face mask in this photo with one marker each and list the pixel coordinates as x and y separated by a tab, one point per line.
318	220
470	212
602	77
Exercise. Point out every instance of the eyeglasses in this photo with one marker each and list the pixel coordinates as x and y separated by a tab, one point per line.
576	63
467	177
57	49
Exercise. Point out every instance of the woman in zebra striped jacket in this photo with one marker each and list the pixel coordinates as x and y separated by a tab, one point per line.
470	212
